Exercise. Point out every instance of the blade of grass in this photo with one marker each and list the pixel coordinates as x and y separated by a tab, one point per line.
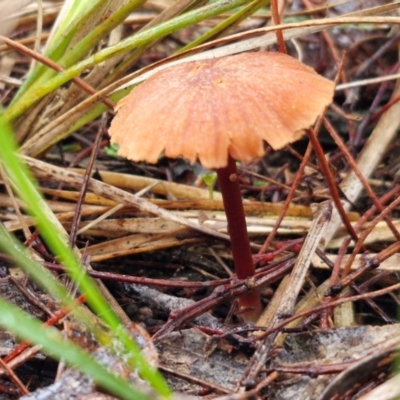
25	186
75	15
42	141
32	268
85	45
33	95
73	12
57	346
234	19
47	282
172	11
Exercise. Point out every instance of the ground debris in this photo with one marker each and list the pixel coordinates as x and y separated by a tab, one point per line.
318	364
193	354
313	350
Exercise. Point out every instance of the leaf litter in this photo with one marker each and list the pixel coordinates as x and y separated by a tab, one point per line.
331	350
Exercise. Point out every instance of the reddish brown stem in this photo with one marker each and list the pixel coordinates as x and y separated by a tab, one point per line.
277	21
289	198
331	183
249	304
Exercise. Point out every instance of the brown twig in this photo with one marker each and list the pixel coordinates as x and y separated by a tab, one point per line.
331	183
220	294
320	308
360	176
50	63
367	215
13	376
363	236
277	21
293	188
50	322
84	187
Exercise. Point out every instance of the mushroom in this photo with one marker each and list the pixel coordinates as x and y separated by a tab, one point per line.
217	111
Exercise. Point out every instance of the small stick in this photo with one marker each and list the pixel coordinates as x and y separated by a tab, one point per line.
277	21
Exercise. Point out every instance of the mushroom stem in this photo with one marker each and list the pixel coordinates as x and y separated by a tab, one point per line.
249	304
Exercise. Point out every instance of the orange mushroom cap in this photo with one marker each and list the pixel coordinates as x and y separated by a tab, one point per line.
207	110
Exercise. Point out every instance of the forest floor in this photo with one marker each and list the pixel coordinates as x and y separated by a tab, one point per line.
155	237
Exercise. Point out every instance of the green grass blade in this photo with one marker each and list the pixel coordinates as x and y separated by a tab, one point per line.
33	95
32	268
239	16
83	47
57	346
76	15
50	230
